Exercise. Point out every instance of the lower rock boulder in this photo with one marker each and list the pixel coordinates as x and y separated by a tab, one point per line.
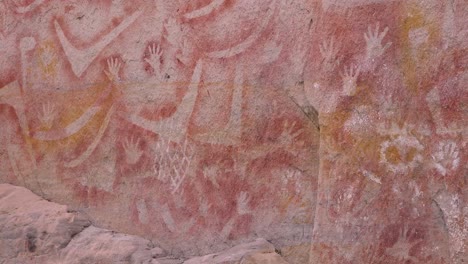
33	230
258	252
32	226
263	258
96	245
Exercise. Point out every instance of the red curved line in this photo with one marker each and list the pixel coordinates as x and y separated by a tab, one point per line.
206	10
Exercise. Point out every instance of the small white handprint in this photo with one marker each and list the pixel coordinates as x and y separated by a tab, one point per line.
447	157
329	53
113	68
288	136
374	47
154	59
132	150
350	76
48	115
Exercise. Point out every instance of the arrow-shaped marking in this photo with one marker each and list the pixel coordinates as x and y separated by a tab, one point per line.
81	59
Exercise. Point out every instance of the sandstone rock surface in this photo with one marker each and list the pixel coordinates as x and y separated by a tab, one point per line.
257	252
41	232
263	258
203	124
34	230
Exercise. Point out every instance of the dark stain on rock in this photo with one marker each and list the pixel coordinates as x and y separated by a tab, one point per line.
31	237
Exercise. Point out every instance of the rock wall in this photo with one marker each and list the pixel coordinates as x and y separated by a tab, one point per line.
37	231
41	232
163	119
393	139
198	124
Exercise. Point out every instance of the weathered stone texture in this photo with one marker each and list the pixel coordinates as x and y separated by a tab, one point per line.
205	124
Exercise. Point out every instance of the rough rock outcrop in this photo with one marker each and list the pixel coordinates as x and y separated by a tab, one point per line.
257	252
263	258
32	226
173	115
34	230
96	245
201	124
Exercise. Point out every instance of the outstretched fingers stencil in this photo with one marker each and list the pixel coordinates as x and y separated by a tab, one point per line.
113	68
48	115
77	124
132	150
447	157
329	51
374	46
350	76
154	59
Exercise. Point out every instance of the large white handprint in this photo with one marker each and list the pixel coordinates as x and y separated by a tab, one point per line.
154	59
374	46
329	52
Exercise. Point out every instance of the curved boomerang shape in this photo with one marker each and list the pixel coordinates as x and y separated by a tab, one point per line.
174	128
76	125
81	59
206	10
85	155
30	7
248	42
